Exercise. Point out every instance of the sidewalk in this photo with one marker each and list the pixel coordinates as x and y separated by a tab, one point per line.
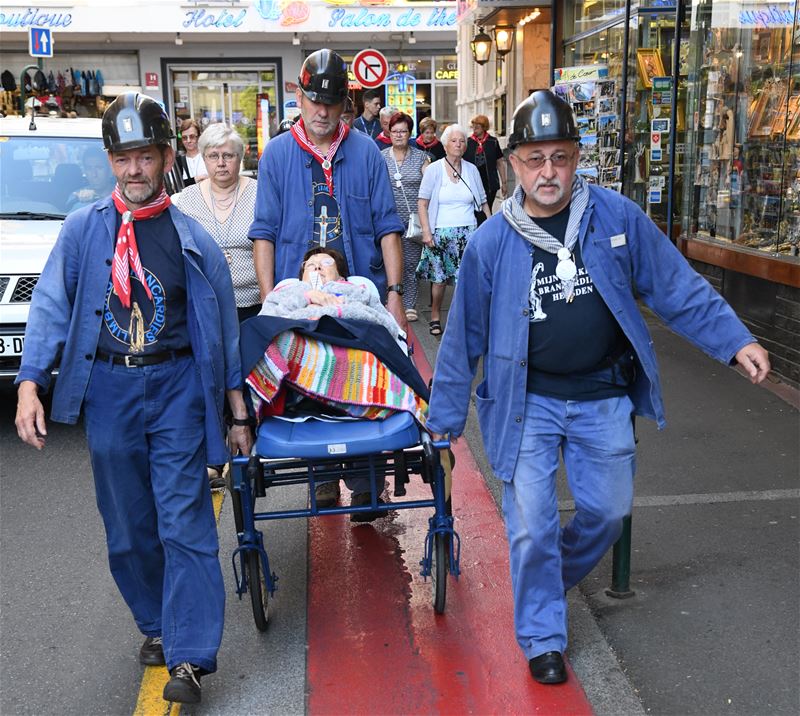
712	628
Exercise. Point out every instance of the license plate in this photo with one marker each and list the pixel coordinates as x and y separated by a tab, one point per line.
11	345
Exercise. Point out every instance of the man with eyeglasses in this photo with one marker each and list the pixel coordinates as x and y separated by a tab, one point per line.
550	304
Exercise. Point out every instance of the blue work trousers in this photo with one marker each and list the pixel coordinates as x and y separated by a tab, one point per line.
147	442
597	443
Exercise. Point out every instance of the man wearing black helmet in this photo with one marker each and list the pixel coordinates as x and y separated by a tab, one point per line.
321	184
551	307
137	301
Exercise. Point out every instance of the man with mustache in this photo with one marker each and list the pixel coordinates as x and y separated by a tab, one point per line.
137	301
321	184
550	305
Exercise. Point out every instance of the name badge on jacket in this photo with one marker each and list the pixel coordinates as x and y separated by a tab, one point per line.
618	240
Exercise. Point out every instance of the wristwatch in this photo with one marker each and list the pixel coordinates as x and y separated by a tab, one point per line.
396	287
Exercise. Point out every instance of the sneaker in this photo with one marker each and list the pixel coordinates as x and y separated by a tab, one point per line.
152	652
183	686
360	499
327	494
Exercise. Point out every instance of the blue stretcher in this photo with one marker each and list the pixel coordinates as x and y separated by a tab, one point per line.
290	453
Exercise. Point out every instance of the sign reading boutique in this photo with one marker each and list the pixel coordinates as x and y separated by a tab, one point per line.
246	16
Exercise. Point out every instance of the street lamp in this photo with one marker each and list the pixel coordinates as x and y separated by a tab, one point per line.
481	47
503	39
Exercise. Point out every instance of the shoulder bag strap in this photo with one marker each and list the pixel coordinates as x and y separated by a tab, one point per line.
458	174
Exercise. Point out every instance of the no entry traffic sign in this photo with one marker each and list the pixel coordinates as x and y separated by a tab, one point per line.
370	68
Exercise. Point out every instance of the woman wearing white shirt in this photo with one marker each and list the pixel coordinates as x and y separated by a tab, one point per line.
193	168
450	193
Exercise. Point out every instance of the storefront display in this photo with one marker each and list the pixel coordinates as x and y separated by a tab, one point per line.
745	134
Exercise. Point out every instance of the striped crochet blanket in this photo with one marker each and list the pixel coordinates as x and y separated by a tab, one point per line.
352	380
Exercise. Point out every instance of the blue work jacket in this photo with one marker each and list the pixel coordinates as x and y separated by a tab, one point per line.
627	257
285	205
66	315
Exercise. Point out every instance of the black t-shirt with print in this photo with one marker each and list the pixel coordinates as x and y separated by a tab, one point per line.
160	321
327	221
571	346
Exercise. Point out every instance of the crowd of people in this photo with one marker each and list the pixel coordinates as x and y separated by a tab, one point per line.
143	294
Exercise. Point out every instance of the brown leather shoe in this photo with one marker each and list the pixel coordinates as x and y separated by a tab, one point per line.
327	493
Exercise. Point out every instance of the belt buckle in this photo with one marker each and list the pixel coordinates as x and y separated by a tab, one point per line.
128	363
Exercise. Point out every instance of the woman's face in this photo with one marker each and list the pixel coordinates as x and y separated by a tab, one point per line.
456	145
321	264
429	135
222	164
399	134
189	139
478	129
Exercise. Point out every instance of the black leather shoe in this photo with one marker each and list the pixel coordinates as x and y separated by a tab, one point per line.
183	686
152	652
548	668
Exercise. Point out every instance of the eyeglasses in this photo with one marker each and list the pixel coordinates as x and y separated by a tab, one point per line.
399	132
190	137
536	161
319	264
227	156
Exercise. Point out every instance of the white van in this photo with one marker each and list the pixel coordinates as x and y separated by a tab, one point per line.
45	173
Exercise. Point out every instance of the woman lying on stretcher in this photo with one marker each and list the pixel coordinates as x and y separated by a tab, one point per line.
323	290
315	338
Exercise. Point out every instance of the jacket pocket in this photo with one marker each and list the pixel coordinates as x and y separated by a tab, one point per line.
485	407
616	261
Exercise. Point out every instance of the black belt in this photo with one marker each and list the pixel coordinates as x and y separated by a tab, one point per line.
132	361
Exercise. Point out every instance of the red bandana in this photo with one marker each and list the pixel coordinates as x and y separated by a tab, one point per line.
298	131
383	138
421	143
480	142
126	253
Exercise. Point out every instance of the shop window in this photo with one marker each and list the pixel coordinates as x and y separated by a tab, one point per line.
583	15
744	138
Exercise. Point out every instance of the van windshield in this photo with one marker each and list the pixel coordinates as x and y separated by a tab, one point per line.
49	177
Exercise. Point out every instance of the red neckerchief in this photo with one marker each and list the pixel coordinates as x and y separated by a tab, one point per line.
126	253
421	143
383	138
298	131
480	142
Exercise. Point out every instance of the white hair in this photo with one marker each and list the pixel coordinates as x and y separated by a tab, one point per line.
217	134
388	111
450	129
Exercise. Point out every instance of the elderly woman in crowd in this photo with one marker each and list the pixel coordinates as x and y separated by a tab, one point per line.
406	164
190	161
426	139
225	206
483	150
450	194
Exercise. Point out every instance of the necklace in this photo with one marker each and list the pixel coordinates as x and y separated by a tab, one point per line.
398	176
222	239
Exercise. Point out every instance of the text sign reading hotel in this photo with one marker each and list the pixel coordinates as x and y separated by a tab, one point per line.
370	68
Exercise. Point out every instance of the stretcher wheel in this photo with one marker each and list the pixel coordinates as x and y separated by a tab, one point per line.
439	572
257	586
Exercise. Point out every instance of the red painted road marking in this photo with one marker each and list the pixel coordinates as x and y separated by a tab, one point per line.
375	645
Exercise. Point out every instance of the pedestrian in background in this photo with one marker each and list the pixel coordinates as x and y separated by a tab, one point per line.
225	206
551	306
406	164
483	150
368	121
450	193
133	334
348	112
320	184
190	160
383	139
427	141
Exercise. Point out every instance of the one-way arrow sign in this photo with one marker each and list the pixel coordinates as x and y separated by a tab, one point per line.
40	42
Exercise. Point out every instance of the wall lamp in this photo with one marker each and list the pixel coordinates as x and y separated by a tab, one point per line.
503	39
481	46
296	39
411	39
178	38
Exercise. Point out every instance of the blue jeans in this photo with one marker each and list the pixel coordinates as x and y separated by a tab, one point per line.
147	442
597	443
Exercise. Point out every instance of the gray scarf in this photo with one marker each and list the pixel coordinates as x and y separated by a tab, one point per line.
515	214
